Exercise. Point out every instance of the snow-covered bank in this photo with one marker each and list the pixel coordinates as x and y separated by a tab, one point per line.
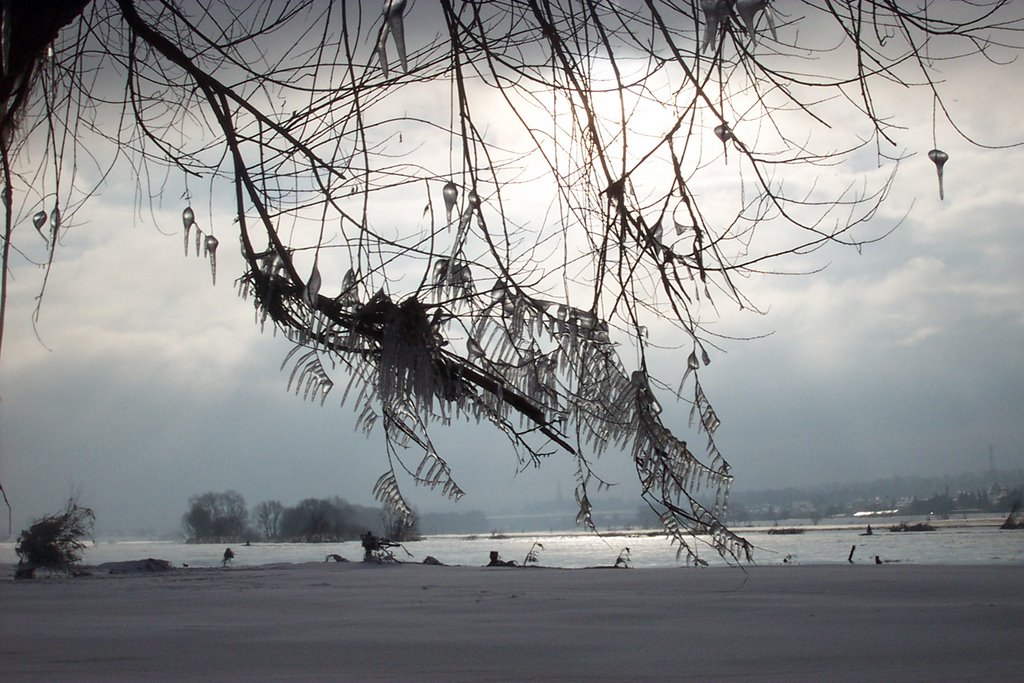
329	621
823	544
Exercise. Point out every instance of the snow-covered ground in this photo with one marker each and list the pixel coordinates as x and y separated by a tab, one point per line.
411	622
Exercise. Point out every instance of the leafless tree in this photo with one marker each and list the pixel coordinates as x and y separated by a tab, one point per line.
491	210
215	517
399	527
267	518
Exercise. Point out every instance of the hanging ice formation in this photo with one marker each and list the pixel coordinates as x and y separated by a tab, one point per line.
692	364
656	236
724	133
452	276
54	225
188	219
210	250
5	38
604	404
451	196
349	294
311	292
39	220
472	205
475	351
748	9
206	244
939	158
715	12
393	26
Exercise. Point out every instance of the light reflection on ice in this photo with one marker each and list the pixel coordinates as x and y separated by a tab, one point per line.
968	545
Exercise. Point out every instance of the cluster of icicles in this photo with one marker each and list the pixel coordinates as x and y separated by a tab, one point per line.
40	219
562	359
719	12
716	13
557	356
208	243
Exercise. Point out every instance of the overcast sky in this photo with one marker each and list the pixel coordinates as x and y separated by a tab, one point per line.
146	385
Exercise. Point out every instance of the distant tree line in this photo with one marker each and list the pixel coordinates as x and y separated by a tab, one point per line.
986	492
223	517
967	501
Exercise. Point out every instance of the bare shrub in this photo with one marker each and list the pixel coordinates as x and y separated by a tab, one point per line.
55	542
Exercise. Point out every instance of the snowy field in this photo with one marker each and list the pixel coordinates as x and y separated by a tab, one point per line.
412	622
954	542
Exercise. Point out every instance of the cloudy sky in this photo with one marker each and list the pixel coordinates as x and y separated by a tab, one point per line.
142	384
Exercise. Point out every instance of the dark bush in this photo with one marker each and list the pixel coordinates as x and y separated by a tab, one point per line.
55	541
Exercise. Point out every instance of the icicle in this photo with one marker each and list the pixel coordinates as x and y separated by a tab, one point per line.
273	266
499	291
460	275
585	320
451	196
382	53
472	204
393	25
188	219
54	224
724	133
393	10
348	288
705	358
210	249
691	365
748	9
6	38
715	11
39	220
440	271
199	240
769	14
463	227
583	503
657	233
476	352
939	158
311	292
